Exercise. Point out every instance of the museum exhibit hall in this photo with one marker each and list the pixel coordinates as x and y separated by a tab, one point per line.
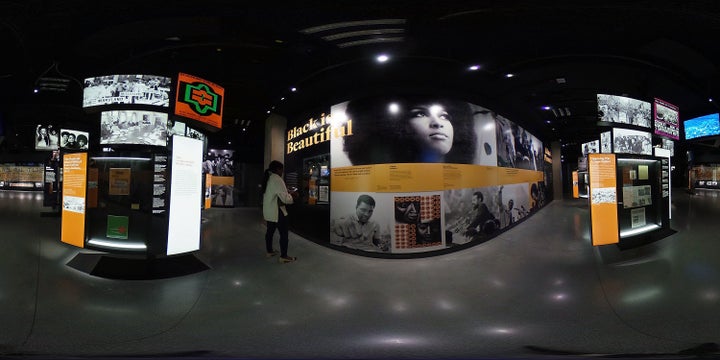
359	180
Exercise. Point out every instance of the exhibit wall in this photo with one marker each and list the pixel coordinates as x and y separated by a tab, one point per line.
403	175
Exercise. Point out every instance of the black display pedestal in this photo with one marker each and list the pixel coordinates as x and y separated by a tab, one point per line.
119	267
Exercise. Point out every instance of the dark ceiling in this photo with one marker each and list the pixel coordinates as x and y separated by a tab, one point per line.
562	54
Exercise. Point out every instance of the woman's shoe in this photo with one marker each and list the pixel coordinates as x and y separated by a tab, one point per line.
287	259
271	254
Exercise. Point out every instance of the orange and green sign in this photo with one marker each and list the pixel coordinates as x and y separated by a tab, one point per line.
200	100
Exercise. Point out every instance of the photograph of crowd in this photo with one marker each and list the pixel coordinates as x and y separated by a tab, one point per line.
603	195
667	119
133	127
219	163
127	89
628	141
624	110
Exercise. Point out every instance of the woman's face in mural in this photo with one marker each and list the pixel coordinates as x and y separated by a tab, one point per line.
431	127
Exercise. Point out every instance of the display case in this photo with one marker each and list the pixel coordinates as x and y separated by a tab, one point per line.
640	200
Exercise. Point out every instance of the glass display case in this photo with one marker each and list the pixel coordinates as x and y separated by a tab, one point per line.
640	200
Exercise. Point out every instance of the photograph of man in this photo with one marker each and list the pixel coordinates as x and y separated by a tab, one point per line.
473	214
358	230
517	148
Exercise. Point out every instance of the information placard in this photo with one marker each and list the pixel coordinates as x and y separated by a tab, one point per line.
603	199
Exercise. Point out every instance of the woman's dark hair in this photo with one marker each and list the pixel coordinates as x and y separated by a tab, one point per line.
83	138
381	136
273	167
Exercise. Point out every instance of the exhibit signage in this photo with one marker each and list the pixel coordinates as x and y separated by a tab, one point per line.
200	100
603	199
185	195
74	190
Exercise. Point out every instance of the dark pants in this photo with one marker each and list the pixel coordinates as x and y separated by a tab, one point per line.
282	227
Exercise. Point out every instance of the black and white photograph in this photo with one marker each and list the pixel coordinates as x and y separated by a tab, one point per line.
485	122
624	110
175	128
516	147
127	89
194	134
478	214
668	144
637	218
626	141
219	162
46	137
606	142
403	129
74	139
667	119
362	220
604	195
591	147
634	196
133	127
74	204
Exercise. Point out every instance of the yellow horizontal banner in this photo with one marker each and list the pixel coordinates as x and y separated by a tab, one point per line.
425	177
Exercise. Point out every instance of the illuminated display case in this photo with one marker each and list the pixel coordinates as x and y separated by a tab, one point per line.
124	217
643	206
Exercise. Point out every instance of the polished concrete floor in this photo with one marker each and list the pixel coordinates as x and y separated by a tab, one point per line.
539	289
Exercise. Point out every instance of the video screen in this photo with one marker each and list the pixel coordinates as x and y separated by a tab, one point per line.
667	119
46	137
632	142
133	127
127	89
624	110
707	125
74	139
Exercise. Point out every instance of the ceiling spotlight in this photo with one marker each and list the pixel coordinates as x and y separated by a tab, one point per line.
547	121
282	99
546	107
293	89
382	58
36	91
474	67
509	75
268	111
710	100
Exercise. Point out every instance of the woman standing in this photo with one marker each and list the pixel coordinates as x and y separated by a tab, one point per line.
275	197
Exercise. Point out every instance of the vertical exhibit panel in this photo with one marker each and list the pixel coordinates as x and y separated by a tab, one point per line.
74	189
603	199
185	196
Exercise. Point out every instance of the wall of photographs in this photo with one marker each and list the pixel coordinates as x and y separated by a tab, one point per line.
418	174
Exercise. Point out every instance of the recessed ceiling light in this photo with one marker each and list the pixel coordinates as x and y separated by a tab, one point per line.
293	89
382	58
509	75
474	67
546	107
710	99
282	99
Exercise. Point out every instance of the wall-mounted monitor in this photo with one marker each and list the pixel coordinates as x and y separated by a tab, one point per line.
667	119
74	139
624	110
632	141
127	89
46	137
707	125
133	127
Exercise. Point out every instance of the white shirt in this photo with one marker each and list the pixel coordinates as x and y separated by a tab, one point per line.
275	191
